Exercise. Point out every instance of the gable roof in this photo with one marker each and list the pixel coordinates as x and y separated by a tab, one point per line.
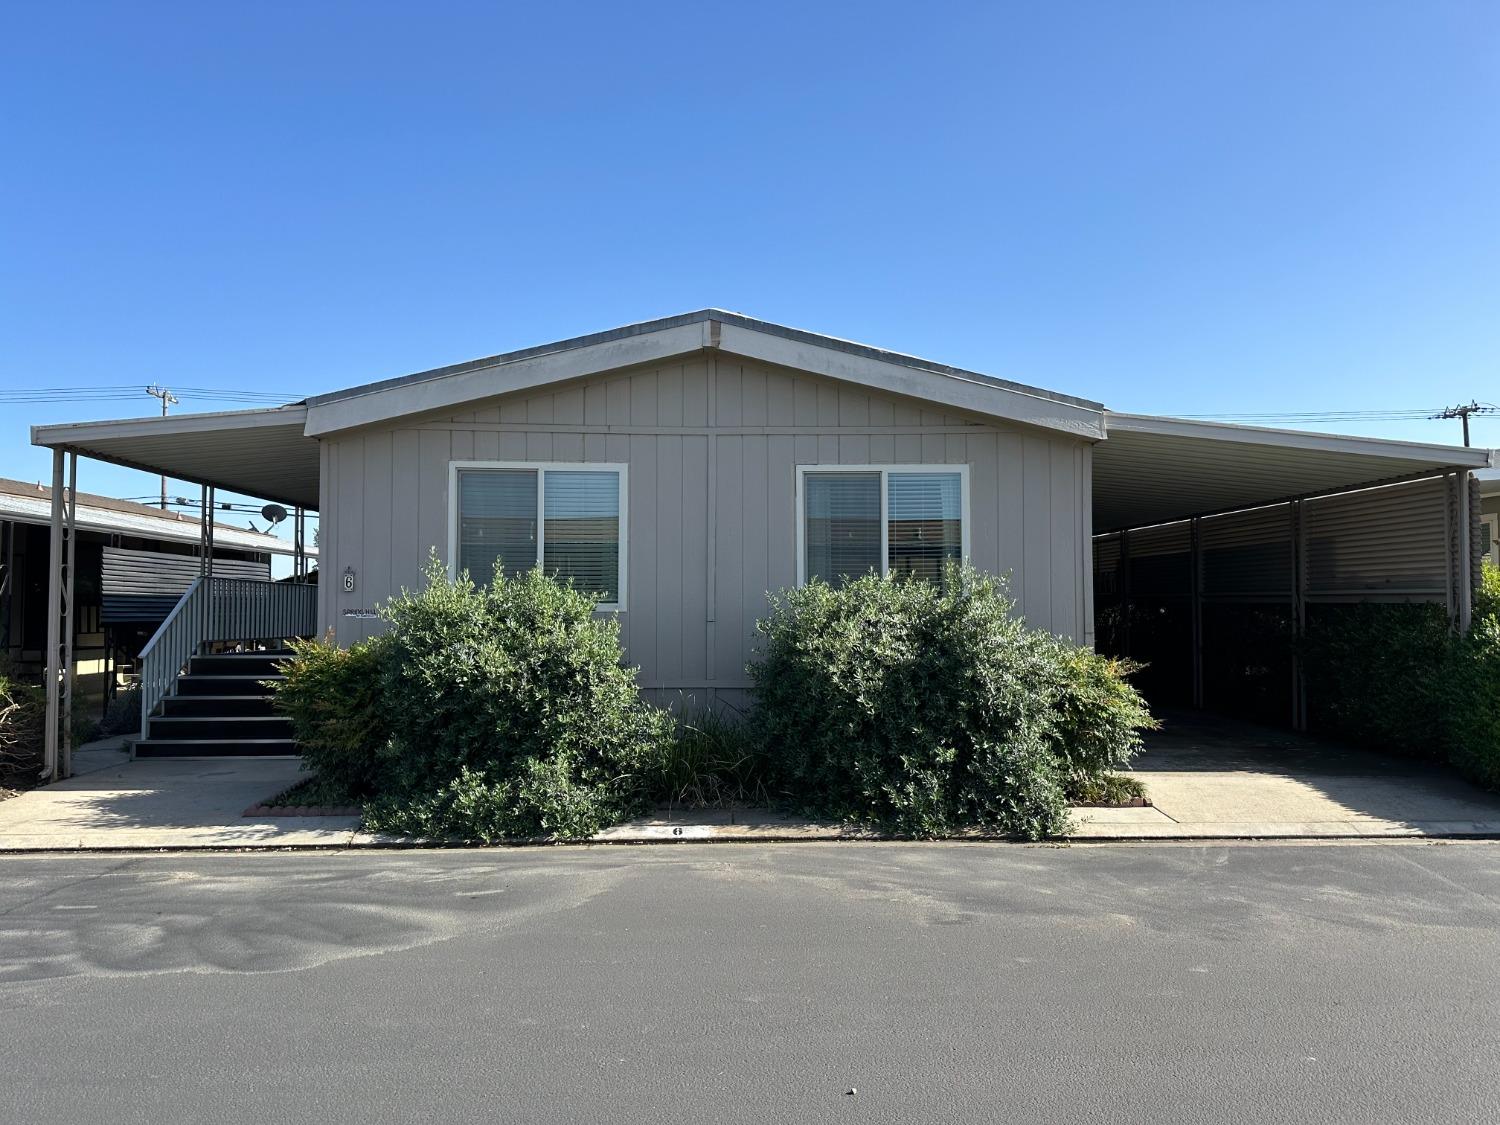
712	329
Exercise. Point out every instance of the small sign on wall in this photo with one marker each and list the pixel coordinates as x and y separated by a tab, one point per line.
349	582
361	614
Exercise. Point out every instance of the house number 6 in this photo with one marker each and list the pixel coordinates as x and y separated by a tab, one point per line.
349	580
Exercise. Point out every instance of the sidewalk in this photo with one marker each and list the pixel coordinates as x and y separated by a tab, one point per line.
1207	779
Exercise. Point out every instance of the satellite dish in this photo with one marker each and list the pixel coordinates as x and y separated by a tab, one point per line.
273	514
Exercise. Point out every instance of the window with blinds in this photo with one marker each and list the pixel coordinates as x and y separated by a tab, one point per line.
581	540
843	525
887	520
924	531
496	521
564	519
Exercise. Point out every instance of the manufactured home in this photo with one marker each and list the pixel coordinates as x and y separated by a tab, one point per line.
681	468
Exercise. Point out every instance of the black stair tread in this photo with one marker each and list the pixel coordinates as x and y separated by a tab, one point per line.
231	675
227	719
180	743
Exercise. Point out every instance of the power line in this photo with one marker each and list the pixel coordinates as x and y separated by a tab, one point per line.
118	393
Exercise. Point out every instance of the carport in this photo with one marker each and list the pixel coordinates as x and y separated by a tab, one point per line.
1215	544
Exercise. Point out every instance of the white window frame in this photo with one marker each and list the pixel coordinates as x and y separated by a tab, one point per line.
885	502
1493	520
542	468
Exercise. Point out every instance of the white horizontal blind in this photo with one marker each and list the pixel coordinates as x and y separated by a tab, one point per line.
925	529
842	514
581	540
496	521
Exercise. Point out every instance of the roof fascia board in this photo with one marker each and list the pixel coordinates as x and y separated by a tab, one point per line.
977	395
77	433
451	391
1448	455
384	402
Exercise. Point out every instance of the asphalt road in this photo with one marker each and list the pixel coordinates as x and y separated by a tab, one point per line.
705	983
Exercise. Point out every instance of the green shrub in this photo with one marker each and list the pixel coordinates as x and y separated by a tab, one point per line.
334	698
712	761
1397	678
123	713
82	725
1487	600
511	713
926	709
1374	675
1471	689
1098	716
23	726
1108	789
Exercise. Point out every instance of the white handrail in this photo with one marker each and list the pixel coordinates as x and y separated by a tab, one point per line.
243	610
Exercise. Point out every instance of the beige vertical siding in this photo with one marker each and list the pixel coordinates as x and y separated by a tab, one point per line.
712	447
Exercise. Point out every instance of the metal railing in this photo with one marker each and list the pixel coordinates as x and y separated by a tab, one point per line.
239	610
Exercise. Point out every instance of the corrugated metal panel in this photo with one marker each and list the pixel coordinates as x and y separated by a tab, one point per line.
1160	562
1107	566
1142	478
143	586
1248	554
1382	542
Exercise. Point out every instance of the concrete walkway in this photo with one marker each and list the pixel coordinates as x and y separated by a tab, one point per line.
1208	778
1211	777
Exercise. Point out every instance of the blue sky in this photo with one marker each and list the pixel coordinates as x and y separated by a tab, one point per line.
1180	208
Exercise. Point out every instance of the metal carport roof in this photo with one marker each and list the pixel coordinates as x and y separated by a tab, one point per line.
262	453
1154	469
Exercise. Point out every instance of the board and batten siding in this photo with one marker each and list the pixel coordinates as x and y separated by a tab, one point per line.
712	446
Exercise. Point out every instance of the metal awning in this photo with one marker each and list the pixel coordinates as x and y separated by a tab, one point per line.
1154	469
261	453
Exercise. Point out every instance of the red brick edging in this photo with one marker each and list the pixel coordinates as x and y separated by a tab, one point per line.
302	810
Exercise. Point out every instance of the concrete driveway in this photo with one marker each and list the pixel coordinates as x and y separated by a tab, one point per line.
113	802
1209	776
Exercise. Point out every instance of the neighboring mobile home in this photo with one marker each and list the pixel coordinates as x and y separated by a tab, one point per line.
683	467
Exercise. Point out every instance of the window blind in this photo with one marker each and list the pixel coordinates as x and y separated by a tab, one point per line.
842	513
496	521
925	533
582	535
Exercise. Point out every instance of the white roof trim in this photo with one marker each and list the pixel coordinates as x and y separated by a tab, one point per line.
974	394
659	341
384	402
70	433
1456	456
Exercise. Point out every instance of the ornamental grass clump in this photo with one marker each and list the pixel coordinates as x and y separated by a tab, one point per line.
927	709
510	714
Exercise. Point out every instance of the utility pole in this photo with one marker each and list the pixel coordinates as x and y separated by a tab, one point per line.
168	399
1463	411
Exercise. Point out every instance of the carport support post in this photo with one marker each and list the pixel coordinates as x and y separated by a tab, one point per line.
70	535
55	577
206	555
1125	593
1299	618
1463	558
1195	577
